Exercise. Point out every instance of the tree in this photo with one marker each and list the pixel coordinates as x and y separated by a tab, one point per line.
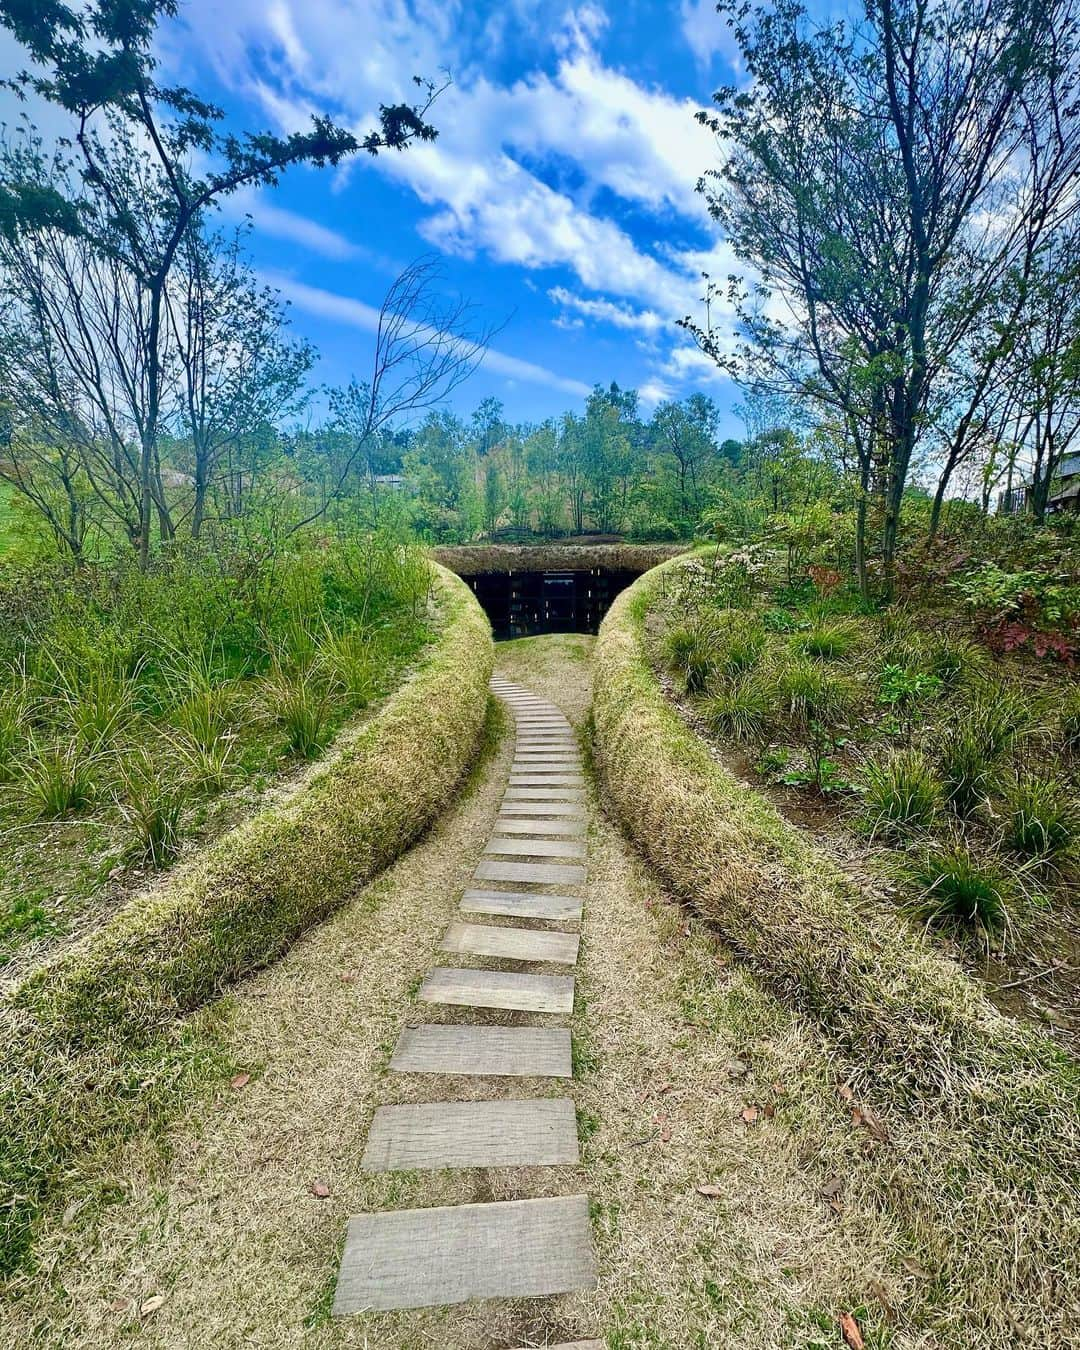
425	346
132	191
888	183
235	370
685	433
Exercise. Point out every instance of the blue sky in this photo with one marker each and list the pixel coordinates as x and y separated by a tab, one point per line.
559	195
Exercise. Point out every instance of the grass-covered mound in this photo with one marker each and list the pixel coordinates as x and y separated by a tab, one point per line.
984	1115
94	1037
143	713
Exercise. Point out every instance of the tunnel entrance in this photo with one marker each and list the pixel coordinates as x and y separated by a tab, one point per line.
521	604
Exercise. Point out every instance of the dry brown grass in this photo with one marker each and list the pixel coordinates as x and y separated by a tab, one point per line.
222	1224
983	1167
469	559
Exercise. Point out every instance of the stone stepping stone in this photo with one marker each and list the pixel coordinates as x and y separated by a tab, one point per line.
535	848
539	826
521	904
548	874
514	806
421	1258
535	778
539	1133
543	767
516	793
514	944
507	989
548	755
484	1052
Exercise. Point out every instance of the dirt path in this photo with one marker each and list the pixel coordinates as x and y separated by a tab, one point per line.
685	1075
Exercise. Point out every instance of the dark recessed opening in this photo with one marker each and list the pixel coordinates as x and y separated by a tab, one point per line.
520	604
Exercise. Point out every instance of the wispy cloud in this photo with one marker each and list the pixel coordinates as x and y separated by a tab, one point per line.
607	311
357	314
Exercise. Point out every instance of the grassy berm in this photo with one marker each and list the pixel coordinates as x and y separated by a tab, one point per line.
981	1115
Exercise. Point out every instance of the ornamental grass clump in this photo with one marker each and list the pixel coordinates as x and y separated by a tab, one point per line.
957	888
689	653
1042	818
152	803
58	779
740	711
301	705
826	641
901	794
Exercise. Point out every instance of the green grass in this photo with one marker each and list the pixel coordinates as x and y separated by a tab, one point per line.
158	707
1042	817
901	794
957	888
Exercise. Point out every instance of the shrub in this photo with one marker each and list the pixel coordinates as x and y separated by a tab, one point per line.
957	888
1043	820
902	687
689	649
779	621
59	779
901	793
740	711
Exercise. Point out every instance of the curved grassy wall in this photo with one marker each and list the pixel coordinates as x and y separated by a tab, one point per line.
99	1013
1001	1104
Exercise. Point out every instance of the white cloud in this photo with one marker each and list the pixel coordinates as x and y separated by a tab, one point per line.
606	311
356	314
282	224
708	35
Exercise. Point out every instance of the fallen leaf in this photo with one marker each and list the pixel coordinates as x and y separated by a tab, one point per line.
864	1117
120	1304
769	1111
852	1334
665	1135
736	1068
779	1088
749	1114
846	1092
882	1295
914	1268
70	1212
348	977
240	1080
320	1189
664	1087
151	1305
834	1186
711	1191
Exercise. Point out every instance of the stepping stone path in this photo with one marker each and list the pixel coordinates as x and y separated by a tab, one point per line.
533	1248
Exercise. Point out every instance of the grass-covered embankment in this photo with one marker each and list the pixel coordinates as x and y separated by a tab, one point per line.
91	1037
983	1113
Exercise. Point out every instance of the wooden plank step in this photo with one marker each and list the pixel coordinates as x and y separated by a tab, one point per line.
561	759
535	848
549	874
521	905
484	1052
557	809
537	1133
538	825
513	944
420	1258
507	989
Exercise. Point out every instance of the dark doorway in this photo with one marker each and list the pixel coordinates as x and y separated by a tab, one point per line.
520	604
